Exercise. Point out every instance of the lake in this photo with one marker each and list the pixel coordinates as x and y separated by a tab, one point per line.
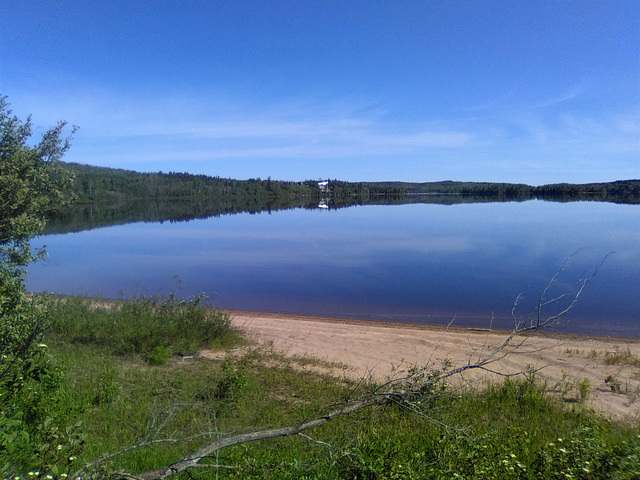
423	263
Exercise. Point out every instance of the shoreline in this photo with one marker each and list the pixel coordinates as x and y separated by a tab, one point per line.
423	326
360	349
399	324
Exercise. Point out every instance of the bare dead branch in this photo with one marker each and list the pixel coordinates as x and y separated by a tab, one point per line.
207	450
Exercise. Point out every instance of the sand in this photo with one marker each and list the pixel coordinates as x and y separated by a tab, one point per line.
365	349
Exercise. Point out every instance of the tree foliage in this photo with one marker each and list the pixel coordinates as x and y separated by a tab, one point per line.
31	185
31	180
108	188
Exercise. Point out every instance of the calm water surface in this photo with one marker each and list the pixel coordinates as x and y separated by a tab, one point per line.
413	263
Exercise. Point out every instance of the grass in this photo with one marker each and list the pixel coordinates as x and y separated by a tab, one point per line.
120	396
619	357
153	327
471	435
624	357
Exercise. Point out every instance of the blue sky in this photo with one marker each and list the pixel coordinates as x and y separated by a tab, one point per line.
519	91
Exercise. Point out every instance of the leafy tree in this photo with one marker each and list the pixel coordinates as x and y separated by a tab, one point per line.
31	185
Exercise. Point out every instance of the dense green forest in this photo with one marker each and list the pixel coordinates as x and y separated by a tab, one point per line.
108	185
111	186
106	196
623	191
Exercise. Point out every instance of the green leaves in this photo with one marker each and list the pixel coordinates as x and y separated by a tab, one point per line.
31	181
31	184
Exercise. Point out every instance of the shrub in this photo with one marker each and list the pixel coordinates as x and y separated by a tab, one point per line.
152	327
32	183
159	355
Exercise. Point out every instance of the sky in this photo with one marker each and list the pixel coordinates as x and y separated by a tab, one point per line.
502	90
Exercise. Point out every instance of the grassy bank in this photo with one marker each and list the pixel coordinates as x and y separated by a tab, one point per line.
130	378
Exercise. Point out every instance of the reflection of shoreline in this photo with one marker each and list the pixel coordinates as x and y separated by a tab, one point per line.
89	216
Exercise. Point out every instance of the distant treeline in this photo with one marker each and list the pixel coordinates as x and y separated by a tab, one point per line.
112	186
623	191
106	196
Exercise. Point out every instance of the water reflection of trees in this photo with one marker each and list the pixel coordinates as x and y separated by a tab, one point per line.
88	216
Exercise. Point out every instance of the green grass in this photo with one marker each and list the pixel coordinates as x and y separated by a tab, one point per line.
511	425
119	397
154	327
619	357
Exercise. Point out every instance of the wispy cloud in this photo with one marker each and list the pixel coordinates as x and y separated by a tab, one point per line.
564	96
166	128
516	142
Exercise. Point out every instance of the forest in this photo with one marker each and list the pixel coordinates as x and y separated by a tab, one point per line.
111	186
107	196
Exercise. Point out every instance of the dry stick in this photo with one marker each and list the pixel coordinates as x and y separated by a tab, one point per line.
207	450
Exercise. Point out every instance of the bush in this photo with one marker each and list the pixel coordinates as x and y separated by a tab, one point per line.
33	418
152	327
159	355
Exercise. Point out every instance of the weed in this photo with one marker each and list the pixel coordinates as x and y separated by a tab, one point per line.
593	354
633	396
149	326
624	357
584	388
564	386
613	384
108	387
234	379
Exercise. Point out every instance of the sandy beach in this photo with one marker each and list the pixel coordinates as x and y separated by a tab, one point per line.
366	349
